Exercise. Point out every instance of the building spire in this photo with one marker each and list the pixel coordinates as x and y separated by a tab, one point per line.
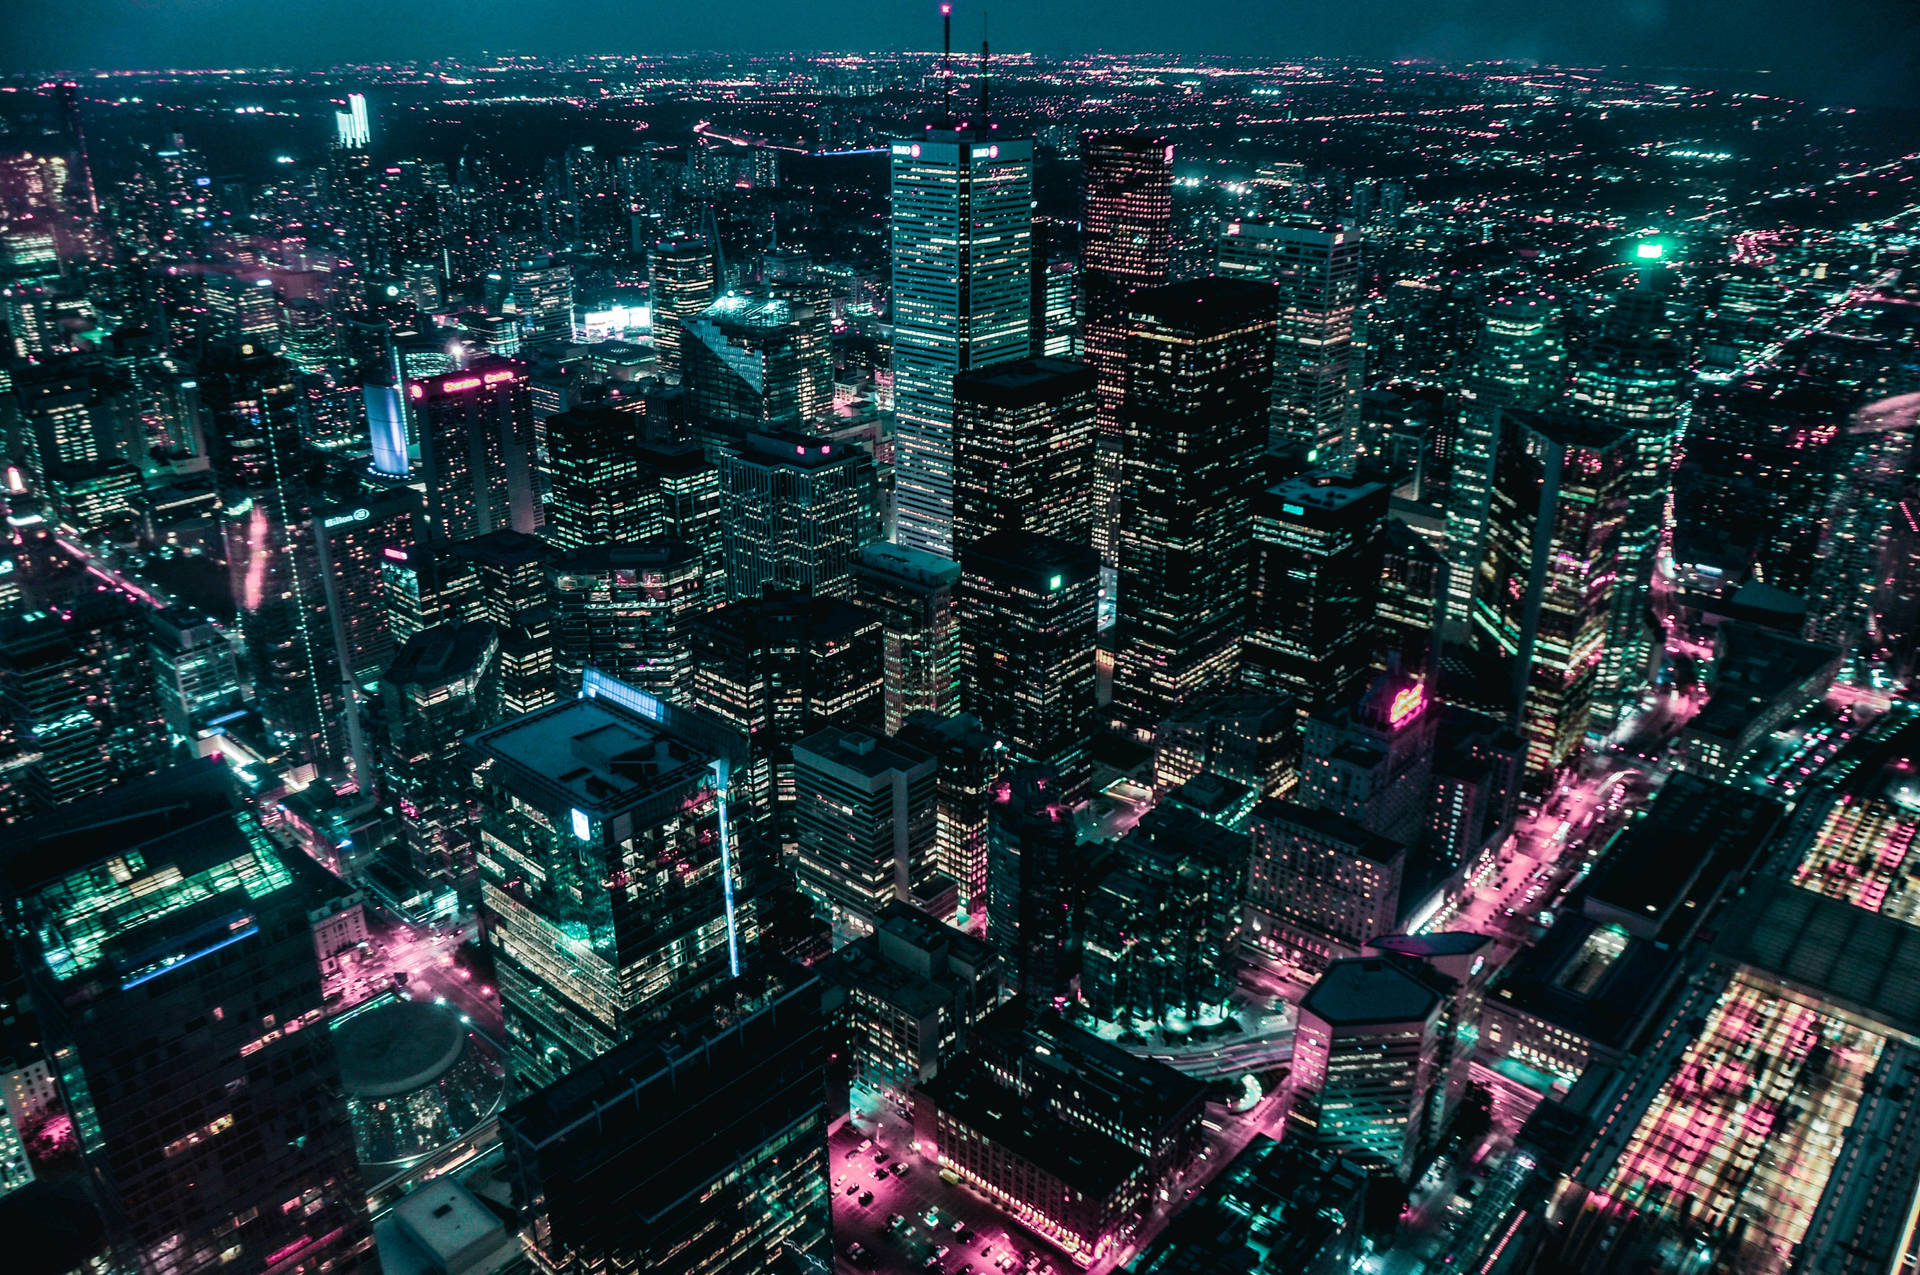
983	69
946	64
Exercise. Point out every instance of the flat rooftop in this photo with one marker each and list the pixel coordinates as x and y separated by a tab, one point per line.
1366	990
593	756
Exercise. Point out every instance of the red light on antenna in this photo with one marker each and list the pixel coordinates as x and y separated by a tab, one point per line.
946	10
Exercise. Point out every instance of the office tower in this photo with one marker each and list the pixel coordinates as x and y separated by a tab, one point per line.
913	593
1126	223
962	227
906	998
605	835
1630	377
194	670
865	823
266	506
1162	926
440	688
1367	1062
1023	451
68	417
1319	539
1543	597
972	762
1069	1133
476	449
1249	737
753	363
66	95
1745	318
795	511
511	589
1410	617
353	540
1194	420
350	128
683	277
776	669
241	307
1031	866
1518	363
1304	1211
1315	267
627	610
610	485
696	1149
425	585
1028	607
171	963
1054	327
1372	759
541	293
1320	885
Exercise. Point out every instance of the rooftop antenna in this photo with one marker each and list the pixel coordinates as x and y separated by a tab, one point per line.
946	64
983	68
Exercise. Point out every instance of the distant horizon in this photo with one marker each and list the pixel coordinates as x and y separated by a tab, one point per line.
1867	52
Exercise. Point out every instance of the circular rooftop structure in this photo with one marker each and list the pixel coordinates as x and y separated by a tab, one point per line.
415	1080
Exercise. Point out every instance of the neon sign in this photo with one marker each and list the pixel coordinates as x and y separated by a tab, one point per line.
1407	705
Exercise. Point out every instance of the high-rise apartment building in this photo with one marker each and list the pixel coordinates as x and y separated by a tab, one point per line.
1194	420
913	593
1315	266
1028	608
171	964
1318	542
962	226
609	877
1023	436
795	511
1543	597
475	429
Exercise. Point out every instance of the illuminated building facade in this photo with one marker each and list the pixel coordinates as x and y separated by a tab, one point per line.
698	1148
864	818
962	227
175	923
626	609
749	362
475	429
1315	267
1320	885
1199	368
776	669
440	688
597	491
683	276
1543	597
1023	451
795	511
608	871
1126	223
1319	541
913	592
1369	1052
1028	609
1030	857
194	669
511	589
352	540
541	292
1372	760
972	763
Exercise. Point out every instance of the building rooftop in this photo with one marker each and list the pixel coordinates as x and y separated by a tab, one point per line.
1659	877
1323	491
397	1047
885	558
1326	825
1087	1162
1366	990
593	755
869	754
1024	382
442	654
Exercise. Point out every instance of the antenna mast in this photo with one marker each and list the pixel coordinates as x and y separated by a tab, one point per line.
946	64
983	69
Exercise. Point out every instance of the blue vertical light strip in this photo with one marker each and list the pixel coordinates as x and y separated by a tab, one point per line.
386	429
722	772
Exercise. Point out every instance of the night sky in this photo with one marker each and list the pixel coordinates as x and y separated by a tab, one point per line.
1845	50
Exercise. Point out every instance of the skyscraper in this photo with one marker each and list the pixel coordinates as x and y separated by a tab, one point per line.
1126	222
1199	363
1028	615
352	540
194	669
1023	451
1318	542
913	593
627	610
1518	363
750	362
608	871
173	971
796	509
864	819
962	252
1543	597
476	449
506	583
440	687
1316	378
698	1148
683	277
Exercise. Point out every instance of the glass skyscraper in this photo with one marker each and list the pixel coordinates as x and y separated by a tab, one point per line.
962	256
